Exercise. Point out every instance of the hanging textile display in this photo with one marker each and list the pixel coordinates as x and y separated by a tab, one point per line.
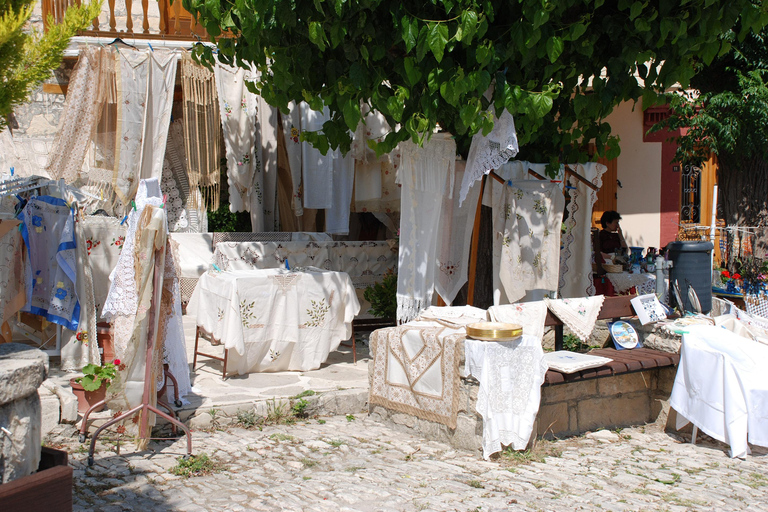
145	84
266	124
81	347
579	314
317	169
104	240
182	209
337	216
488	152
293	145
13	293
82	111
48	229
202	131
526	237
389	195
238	108
455	237
426	175
576	254
510	376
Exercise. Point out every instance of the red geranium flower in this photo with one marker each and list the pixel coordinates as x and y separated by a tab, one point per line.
725	273
736	276
116	362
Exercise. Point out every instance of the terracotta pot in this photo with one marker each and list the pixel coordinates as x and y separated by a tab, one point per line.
104	339
85	399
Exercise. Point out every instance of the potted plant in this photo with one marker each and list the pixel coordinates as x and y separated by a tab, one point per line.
382	297
91	388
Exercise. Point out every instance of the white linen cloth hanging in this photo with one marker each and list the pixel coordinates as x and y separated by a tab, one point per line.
238	108
489	152
526	238
456	223
579	314
576	255
293	145
337	216
510	374
81	348
82	109
373	126
48	230
426	175
317	169
267	127
529	315
145	85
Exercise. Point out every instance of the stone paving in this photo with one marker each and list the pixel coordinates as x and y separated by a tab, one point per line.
349	463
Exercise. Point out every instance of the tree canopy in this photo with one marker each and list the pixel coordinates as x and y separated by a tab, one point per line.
26	57
558	66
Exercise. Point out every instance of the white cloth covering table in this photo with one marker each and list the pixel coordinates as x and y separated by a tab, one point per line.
722	388
274	319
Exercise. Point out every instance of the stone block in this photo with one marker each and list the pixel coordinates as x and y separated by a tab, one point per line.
20	450
22	370
553	420
49	410
615	411
570	391
67	401
466	435
624	383
666	379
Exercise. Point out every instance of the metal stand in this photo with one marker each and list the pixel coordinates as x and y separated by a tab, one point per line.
149	385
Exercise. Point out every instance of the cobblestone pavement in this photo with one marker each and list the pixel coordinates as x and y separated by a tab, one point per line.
340	463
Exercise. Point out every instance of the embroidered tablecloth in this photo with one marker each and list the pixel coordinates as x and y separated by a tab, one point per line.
364	262
416	370
274	319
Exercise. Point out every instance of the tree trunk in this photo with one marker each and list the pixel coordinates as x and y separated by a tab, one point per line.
743	198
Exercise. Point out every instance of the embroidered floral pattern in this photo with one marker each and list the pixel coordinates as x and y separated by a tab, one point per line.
273	355
118	242
247	313
90	243
449	267
245	160
227	109
317	313
295	134
539	206
507	210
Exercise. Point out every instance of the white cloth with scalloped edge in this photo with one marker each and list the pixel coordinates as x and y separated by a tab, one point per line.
579	314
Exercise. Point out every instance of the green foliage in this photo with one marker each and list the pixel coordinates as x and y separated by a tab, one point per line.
382	297
247	419
559	67
27	58
95	375
299	407
223	220
194	465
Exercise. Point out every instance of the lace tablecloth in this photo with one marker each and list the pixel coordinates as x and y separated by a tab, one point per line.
510	374
416	370
644	283
274	319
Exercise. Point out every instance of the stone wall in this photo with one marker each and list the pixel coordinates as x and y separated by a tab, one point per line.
566	409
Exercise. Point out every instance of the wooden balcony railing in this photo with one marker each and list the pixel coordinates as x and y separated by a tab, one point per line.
155	20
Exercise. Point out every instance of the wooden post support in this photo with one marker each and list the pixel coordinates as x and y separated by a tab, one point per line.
473	246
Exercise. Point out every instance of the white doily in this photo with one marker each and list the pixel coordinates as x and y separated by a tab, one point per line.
579	314
489	152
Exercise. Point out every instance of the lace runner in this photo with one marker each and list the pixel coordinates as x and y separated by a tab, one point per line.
489	152
416	370
510	375
578	314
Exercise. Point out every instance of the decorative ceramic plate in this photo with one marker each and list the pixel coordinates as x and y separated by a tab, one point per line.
624	334
494	331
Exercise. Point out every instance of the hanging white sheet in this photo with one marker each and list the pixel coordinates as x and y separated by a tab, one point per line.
576	255
526	237
293	146
426	175
337	216
239	112
317	169
489	152
455	237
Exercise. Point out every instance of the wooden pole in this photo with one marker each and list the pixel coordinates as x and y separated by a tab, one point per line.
473	246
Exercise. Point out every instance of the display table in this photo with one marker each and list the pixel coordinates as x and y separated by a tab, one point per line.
721	387
274	319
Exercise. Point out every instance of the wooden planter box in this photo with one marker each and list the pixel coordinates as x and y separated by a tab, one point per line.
45	491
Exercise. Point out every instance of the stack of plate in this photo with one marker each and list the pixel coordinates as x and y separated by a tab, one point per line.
494	331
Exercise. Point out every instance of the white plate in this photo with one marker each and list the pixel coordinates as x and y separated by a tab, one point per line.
624	334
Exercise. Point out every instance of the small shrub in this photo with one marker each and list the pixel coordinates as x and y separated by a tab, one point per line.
350	417
382	297
299	408
246	419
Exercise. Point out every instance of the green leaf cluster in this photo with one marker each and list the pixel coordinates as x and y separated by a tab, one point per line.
383	297
560	67
27	58
94	375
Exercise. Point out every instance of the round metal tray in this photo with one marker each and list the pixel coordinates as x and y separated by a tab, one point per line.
494	331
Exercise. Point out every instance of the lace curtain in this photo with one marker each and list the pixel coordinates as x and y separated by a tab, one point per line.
202	131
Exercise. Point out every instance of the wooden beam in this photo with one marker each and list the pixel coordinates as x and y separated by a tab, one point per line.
55	88
473	246
571	172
